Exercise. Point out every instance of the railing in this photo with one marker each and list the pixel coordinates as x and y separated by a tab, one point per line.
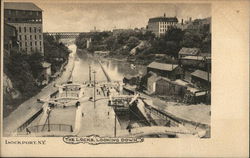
50	127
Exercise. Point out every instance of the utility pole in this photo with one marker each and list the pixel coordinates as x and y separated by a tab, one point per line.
94	87
115	123
89	73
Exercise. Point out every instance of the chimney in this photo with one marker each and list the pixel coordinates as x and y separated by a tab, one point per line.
182	22
164	14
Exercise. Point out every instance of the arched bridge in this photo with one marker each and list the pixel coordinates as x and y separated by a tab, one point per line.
64	35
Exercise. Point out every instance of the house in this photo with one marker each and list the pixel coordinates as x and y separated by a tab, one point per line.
188	52
201	79
172	71
46	72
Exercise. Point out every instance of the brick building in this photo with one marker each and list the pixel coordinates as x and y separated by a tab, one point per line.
27	19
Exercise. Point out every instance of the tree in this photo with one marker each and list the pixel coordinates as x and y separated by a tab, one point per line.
192	39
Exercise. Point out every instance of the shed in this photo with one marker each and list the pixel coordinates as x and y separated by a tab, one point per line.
172	71
189	52
201	78
165	86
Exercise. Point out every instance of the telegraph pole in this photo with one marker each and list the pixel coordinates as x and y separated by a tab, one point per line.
89	73
94	87
115	123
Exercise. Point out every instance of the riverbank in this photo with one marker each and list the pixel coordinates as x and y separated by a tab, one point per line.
30	107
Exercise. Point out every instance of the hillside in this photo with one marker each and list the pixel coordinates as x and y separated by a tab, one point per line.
143	47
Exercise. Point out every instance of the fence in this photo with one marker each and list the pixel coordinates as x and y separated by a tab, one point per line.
50	127
25	124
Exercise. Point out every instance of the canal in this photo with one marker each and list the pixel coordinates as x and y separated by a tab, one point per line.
117	70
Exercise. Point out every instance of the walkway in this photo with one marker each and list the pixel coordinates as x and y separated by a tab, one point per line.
31	106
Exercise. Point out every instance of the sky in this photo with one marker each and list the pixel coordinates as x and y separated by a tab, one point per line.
84	16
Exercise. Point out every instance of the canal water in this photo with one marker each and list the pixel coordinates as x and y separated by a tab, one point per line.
117	70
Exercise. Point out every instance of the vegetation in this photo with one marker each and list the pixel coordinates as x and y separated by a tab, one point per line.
55	52
121	44
25	70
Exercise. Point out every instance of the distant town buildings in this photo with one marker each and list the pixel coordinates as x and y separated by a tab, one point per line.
159	25
27	19
196	25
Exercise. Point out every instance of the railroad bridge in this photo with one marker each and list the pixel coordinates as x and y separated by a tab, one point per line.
64	35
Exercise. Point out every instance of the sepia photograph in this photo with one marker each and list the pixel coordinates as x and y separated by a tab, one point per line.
137	70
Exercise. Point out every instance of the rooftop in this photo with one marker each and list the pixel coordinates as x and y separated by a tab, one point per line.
189	51
201	74
163	19
162	66
21	6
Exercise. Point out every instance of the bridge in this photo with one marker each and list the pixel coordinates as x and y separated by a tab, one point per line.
64	35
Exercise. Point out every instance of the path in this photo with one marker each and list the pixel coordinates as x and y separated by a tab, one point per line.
31	106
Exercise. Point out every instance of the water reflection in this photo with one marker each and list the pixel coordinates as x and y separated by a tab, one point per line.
117	70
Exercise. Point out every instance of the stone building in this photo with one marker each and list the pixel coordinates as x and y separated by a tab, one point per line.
27	19
160	25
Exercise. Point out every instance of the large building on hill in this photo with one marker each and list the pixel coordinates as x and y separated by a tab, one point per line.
27	19
160	25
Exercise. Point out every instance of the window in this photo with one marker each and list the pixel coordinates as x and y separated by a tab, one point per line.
20	44
35	43
24	29
39	29
35	37
31	49
35	29
40	49
20	37
30	43
20	29
40	43
25	44
40	37
30	37
25	37
30	29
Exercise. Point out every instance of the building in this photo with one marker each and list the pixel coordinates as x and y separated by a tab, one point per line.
10	37
165	86
46	72
27	19
201	79
172	71
189	52
160	25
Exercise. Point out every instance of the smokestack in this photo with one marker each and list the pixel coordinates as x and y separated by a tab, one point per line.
182	22
164	14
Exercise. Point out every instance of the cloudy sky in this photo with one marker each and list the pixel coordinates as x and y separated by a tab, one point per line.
83	16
